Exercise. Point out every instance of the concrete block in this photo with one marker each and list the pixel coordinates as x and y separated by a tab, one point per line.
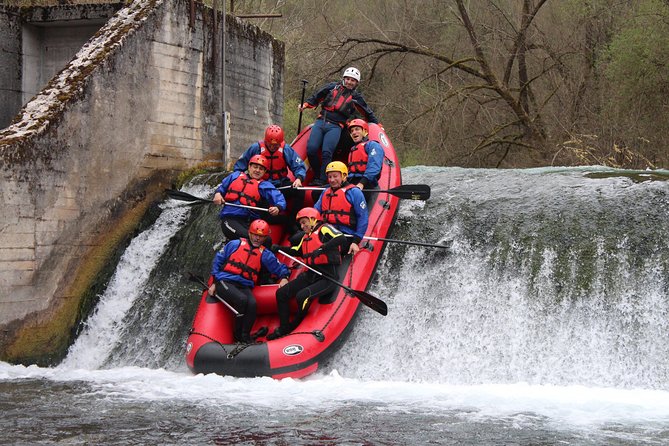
152	103
13	238
10	254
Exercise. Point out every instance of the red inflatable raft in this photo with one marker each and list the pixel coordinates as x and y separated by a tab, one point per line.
210	346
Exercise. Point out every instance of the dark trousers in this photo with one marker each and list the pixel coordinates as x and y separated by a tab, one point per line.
235	227
322	141
307	285
242	299
295	200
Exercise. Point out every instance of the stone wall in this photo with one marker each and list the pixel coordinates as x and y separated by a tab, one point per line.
140	102
254	82
10	64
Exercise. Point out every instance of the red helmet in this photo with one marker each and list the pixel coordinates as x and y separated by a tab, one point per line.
309	213
273	134
259	159
359	123
259	227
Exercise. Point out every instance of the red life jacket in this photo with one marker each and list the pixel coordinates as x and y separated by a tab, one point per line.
244	189
277	163
245	261
357	158
310	243
336	209
339	99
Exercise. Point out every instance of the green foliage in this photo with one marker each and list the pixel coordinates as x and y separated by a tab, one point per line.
290	118
637	57
412	157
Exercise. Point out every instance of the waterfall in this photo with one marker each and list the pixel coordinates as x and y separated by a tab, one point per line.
553	276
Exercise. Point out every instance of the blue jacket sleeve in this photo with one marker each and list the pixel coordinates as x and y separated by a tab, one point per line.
273	196
272	264
294	162
375	155
357	199
243	162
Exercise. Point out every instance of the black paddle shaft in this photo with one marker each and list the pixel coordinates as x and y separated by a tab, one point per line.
410	191
304	89
405	242
185	196
368	299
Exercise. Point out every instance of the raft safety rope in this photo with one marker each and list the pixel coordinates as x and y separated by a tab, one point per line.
229	355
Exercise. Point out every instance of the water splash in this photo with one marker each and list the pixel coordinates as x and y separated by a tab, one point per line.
104	329
552	278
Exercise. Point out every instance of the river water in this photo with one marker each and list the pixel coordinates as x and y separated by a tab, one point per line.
545	323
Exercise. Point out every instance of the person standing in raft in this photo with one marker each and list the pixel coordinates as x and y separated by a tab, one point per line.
281	157
320	249
339	102
343	205
248	189
236	270
365	159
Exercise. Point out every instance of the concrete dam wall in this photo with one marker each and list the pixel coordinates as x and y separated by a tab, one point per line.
83	160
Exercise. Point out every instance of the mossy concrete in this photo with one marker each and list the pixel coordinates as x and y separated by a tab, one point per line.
43	337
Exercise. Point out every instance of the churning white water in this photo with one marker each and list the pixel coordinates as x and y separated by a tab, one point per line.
104	328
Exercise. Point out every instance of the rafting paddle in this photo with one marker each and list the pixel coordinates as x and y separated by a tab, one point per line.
368	299
185	196
404	242
197	279
410	191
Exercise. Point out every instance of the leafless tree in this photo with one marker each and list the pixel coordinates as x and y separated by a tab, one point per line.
505	58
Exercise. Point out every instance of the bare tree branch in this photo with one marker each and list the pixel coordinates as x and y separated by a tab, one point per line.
396	47
527	20
503	91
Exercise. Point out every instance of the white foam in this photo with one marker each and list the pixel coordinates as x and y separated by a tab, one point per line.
562	405
104	327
